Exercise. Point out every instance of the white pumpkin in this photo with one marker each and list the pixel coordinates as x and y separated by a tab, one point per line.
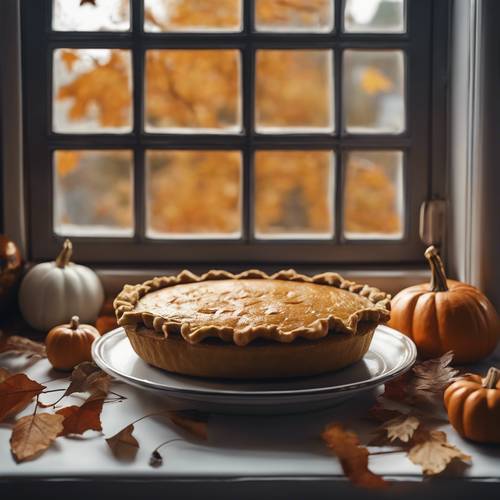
52	292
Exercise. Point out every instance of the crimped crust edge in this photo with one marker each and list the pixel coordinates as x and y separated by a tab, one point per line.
130	295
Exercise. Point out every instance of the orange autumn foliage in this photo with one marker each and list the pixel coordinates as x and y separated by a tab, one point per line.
200	89
106	86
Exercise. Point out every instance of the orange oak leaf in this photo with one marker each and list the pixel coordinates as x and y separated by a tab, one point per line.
88	377
78	419
4	374
353	457
433	452
123	442
22	345
191	421
16	392
33	434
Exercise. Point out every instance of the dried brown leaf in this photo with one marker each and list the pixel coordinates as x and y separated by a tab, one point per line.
22	345
191	421
425	384
401	428
78	419
123	442
432	451
353	457
88	377
434	375
33	434
16	392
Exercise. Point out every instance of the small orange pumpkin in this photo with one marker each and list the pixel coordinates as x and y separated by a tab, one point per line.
70	344
473	406
446	315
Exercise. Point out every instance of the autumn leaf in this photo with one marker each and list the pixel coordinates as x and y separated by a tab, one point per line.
22	345
425	383
433	452
123	443
16	392
191	421
353	457
33	434
434	375
88	377
4	374
401	428
78	419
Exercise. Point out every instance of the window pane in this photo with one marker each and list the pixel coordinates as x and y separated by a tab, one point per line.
294	91
193	91
193	194
292	16
192	15
293	194
93	193
92	91
374	91
375	16
100	15
373	197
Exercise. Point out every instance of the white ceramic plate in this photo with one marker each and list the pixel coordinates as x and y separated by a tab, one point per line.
390	355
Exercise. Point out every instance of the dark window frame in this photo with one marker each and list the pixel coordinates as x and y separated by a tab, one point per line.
421	142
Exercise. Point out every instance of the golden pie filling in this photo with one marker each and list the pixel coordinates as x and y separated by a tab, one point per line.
241	308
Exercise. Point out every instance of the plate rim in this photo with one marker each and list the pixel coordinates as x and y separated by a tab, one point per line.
405	365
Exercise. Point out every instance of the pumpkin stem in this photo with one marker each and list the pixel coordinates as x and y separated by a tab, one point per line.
74	323
491	379
64	257
438	279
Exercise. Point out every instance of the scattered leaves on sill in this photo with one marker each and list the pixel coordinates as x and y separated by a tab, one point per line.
33	434
16	392
79	419
123	443
88	377
432	451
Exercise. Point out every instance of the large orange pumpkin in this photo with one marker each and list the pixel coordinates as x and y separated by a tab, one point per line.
446	315
473	406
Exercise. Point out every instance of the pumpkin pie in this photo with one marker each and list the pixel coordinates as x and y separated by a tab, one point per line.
250	325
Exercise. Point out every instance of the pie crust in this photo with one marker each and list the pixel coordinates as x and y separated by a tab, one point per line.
250	325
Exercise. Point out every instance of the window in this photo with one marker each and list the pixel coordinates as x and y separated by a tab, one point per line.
255	132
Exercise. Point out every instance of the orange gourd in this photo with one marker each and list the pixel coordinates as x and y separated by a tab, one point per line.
70	344
473	406
446	315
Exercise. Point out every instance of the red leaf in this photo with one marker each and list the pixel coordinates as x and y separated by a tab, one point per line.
78	419
16	392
